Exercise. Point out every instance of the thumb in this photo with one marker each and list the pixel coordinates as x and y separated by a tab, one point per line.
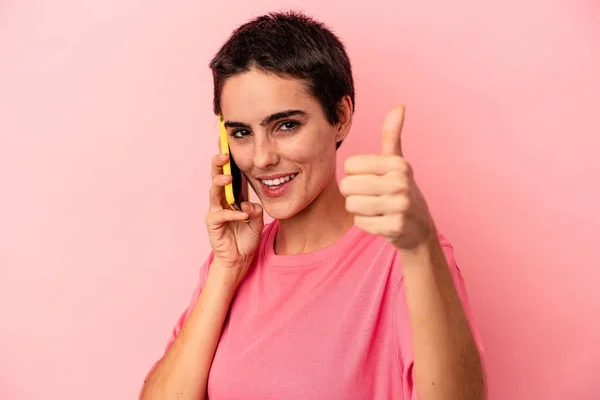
255	212
392	132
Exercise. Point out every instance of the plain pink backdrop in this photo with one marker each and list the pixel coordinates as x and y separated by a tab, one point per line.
106	132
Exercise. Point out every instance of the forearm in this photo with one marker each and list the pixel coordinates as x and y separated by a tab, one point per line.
183	372
447	362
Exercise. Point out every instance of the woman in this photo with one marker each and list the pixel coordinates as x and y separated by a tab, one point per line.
350	293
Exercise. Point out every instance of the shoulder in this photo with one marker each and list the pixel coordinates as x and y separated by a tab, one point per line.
268	233
444	242
269	227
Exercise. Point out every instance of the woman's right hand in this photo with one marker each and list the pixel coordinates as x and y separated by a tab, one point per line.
233	241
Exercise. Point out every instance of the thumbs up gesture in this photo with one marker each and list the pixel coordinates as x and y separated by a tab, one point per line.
381	192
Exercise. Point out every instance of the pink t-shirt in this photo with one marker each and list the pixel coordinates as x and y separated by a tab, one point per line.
332	324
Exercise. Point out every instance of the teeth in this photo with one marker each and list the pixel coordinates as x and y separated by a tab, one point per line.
278	181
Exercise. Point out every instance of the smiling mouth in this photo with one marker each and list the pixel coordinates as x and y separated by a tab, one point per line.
278	182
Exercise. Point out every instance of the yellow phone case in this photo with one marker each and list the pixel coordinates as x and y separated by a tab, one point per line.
227	167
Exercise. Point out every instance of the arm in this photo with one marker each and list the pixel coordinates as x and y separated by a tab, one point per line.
183	372
382	194
447	363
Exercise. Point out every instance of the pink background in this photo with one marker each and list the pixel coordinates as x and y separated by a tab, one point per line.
106	132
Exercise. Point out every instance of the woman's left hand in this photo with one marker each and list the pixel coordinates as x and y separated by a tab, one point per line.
382	194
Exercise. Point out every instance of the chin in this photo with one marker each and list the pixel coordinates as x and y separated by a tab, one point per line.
281	211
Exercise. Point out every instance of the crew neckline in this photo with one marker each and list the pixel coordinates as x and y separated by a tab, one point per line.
306	259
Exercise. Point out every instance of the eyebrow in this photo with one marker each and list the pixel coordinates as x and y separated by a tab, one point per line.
267	120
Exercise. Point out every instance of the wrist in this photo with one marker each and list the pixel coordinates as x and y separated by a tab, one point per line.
224	276
427	253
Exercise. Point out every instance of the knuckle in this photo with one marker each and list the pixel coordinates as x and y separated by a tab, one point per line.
397	185
398	224
351	203
400	166
350	165
360	204
343	185
359	221
397	163
221	180
348	185
400	204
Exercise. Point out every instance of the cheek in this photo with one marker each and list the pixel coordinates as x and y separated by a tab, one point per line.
242	155
311	157
317	149
320	160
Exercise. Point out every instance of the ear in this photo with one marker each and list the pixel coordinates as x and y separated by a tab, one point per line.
345	112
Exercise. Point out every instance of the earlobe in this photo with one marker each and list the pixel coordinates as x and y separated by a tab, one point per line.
342	132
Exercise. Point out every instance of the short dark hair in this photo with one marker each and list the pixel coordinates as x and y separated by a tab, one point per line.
288	44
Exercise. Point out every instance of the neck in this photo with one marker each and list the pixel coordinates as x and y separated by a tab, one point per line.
318	226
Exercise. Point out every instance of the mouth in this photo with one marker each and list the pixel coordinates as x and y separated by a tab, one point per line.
278	186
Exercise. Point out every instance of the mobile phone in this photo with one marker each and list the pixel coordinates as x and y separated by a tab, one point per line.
238	190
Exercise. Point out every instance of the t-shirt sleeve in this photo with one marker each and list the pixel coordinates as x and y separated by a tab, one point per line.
186	312
402	322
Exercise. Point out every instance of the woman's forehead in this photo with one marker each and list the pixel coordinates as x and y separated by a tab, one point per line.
252	96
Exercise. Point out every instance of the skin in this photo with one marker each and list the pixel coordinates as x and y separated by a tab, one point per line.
379	195
304	143
385	200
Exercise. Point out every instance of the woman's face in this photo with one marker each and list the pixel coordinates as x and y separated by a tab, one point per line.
281	140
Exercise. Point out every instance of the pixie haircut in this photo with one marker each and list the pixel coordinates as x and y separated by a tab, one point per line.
291	45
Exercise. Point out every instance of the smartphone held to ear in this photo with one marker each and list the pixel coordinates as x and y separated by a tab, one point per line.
237	191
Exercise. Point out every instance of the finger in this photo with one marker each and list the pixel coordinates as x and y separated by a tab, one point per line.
255	212
374	164
374	185
371	206
252	209
384	225
217	192
217	164
217	218
392	131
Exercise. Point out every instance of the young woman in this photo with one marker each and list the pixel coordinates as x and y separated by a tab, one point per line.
351	293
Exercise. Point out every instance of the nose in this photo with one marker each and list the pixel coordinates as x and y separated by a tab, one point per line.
265	152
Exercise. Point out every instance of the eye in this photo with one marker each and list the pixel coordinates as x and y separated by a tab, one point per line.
240	133
289	126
